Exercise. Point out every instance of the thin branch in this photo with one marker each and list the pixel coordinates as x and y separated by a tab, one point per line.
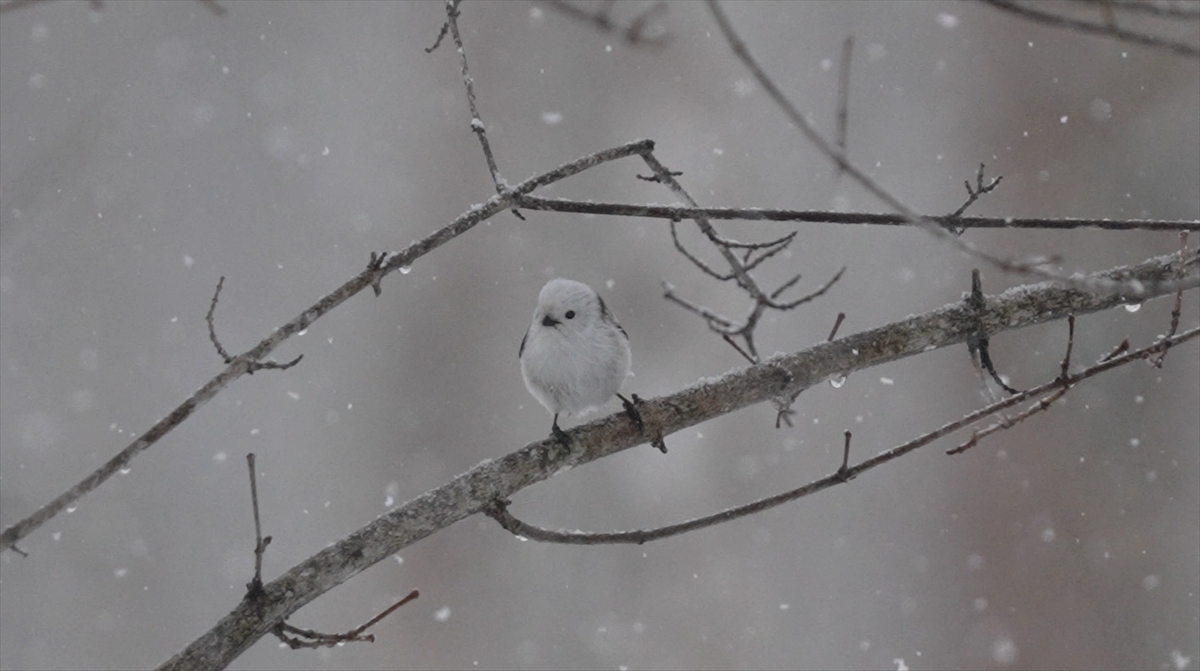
294	637
1177	311
973	194
212	335
307	638
837	324
244	363
212	331
1064	385
1106	29
254	590
636	33
979	345
695	261
843	107
477	126
804	299
716	322
823	217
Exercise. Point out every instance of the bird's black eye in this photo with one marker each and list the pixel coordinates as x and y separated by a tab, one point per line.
570	314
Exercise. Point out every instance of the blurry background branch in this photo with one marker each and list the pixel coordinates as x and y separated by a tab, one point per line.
1107	14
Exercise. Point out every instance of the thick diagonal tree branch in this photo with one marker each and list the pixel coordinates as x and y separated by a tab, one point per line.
475	491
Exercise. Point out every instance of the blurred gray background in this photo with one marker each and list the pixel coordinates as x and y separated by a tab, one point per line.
150	148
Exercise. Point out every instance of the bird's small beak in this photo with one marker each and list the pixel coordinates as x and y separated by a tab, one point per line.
550	321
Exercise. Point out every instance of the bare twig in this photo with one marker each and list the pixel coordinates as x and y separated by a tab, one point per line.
1177	311
635	33
255	594
1064	380
307	638
212	335
980	344
739	271
973	194
843	107
477	126
254	590
212	331
836	325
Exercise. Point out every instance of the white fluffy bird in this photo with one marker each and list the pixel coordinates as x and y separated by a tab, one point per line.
575	355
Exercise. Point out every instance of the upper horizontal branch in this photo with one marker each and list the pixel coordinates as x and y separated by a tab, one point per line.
475	490
820	217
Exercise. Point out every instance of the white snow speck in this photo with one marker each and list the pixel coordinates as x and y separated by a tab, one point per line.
220	457
294	396
1004	651
442	614
887	381
552	118
188	261
947	21
1150	582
